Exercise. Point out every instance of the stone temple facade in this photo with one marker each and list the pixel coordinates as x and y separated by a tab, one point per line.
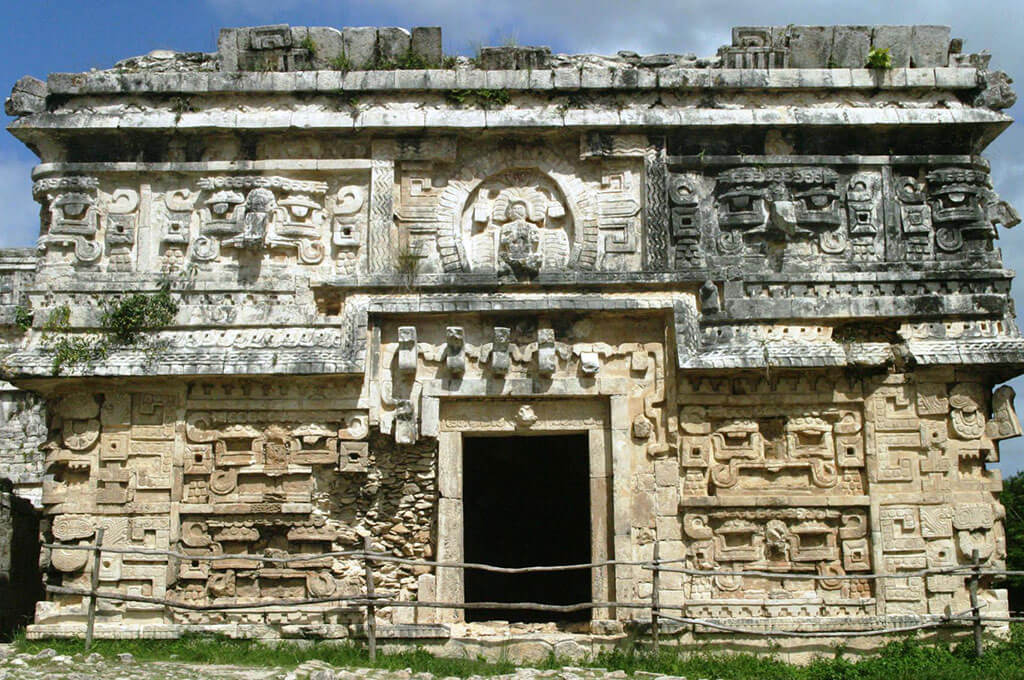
760	291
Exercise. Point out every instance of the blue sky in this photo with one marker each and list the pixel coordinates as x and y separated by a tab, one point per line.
42	36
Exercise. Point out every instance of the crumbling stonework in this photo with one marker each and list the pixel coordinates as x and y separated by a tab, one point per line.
764	284
20	583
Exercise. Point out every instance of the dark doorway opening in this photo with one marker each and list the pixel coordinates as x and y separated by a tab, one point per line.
526	502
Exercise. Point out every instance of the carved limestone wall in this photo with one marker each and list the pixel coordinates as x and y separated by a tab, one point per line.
246	467
765	285
22	432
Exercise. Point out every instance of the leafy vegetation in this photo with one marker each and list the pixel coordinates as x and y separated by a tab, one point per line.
23	318
879	57
483	98
129	319
309	45
181	106
407	61
341	63
126	322
1012	498
407	262
68	350
904	659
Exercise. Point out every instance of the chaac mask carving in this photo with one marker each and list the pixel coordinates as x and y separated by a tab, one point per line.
70	216
964	207
274	213
951	212
798	204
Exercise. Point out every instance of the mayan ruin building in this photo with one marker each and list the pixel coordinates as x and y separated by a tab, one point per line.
745	312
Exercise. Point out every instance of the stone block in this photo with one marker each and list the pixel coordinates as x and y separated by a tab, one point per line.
393	43
28	96
227	49
329	43
566	78
514	57
598	77
426	44
470	79
897	40
360	45
850	45
810	46
929	46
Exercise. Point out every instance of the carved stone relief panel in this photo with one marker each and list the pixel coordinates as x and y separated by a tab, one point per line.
104	473
70	219
515	224
520	211
949	212
818	541
216	219
727	451
931	436
261	213
798	206
797	214
491	354
743	436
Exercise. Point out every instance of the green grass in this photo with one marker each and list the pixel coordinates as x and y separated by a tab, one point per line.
201	649
904	659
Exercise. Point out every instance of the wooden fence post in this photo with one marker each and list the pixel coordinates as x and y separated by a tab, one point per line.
371	610
655	598
975	609
95	584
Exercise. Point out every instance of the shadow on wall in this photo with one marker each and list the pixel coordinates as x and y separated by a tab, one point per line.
20	583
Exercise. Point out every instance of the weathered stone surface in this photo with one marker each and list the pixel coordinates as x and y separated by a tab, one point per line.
810	46
514	58
896	39
392	43
850	45
426	44
329	44
929	46
360	45
998	94
27	97
784	349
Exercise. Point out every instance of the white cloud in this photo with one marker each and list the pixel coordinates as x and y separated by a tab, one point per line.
21	213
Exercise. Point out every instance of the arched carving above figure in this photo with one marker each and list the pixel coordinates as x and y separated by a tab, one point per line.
568	224
515	223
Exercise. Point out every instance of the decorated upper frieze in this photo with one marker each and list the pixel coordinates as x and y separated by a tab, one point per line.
439	213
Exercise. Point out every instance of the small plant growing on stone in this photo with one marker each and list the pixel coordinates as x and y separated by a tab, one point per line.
23	318
575	100
413	61
880	58
341	63
127	322
180	106
68	350
483	98
309	45
407	262
128	319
